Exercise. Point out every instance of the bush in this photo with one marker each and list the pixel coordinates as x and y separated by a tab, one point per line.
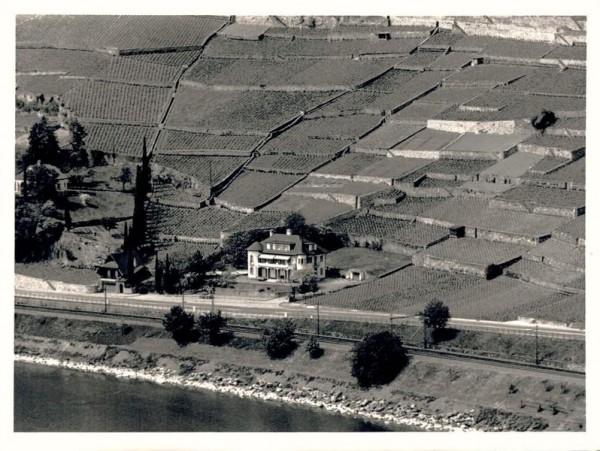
280	341
210	325
181	326
308	283
313	348
109	222
378	359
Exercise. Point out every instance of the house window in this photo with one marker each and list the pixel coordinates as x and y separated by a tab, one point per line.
252	270
268	246
384	36
300	260
308	259
251	258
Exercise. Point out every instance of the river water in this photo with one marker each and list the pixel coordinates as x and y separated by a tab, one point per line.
60	400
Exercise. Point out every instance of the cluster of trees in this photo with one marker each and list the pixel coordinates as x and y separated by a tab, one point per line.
185	329
180	272
209	327
376	360
44	147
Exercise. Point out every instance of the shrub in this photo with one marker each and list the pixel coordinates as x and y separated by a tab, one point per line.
109	222
313	348
210	325
181	326
378	359
280	341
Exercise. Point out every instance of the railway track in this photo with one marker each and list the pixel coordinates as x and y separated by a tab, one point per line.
412	350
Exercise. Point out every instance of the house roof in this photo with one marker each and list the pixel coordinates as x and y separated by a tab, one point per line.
298	245
256	246
118	260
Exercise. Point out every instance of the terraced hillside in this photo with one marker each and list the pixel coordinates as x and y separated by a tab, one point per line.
411	135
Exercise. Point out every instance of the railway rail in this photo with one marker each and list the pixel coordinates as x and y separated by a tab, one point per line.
412	350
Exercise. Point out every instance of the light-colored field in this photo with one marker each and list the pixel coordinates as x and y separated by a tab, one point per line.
373	262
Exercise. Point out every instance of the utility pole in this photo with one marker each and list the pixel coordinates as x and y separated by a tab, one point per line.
318	318
537	350
183	299
105	301
424	334
211	293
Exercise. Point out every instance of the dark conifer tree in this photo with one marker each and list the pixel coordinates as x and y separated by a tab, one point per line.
158	275
143	185
126	245
43	145
68	220
130	265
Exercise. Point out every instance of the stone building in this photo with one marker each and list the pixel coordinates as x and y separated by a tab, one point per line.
281	257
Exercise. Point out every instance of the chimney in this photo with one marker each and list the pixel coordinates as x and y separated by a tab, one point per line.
288	231
271	232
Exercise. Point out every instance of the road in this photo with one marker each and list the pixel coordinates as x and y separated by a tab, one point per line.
273	308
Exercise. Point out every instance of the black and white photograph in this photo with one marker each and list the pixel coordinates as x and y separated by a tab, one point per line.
300	223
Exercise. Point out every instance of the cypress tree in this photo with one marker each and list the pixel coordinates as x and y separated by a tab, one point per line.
68	220
126	246
142	188
78	157
157	275
130	265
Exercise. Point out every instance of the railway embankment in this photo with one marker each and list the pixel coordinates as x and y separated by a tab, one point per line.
428	394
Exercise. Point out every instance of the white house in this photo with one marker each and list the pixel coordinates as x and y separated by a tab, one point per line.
281	256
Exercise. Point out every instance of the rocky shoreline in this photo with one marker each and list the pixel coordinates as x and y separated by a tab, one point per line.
375	410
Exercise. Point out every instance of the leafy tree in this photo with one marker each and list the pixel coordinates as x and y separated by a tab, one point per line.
125	177
544	120
98	158
296	222
308	283
436	314
171	277
109	222
196	266
280	341
235	247
181	326
313	348
211	325
378	359
41	183
324	237
37	230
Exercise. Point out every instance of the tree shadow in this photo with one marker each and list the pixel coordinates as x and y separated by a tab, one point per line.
445	334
